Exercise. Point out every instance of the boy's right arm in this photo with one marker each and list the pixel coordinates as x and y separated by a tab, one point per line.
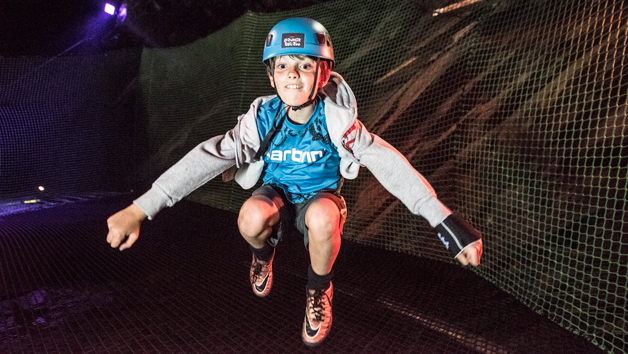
198	166
123	224
206	161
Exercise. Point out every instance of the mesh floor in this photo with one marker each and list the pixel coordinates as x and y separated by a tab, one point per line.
515	111
183	289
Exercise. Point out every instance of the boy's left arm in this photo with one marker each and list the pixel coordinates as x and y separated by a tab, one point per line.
398	176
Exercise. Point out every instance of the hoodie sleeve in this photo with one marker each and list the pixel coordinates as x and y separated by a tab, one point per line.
395	173
206	161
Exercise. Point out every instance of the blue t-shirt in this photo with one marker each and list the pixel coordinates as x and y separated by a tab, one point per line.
301	159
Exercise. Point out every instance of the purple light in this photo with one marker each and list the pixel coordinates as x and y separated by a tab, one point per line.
110	9
122	13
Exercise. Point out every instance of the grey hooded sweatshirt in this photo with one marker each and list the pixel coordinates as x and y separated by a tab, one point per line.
232	155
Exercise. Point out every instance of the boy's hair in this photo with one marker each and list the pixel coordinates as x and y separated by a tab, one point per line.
325	65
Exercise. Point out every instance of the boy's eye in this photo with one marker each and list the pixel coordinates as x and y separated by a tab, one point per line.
281	66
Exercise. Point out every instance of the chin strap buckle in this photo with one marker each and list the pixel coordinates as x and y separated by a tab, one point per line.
296	108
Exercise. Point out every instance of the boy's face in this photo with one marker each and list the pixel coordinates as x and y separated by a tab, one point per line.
294	79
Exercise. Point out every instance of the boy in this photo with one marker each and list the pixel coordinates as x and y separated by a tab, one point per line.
303	142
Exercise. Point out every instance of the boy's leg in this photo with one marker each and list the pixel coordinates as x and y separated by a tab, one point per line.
324	220
257	217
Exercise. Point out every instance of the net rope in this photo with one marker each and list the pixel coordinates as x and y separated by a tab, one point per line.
514	111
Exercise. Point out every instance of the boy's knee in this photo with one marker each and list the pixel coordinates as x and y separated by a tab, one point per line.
322	219
255	216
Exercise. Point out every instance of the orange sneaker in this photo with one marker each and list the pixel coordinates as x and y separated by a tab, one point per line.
317	323
261	276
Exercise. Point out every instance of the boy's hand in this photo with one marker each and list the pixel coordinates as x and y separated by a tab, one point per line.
471	254
461	239
125	223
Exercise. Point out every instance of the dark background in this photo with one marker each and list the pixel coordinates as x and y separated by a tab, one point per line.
518	107
31	27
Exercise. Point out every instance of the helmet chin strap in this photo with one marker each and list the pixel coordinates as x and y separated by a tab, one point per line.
312	93
278	123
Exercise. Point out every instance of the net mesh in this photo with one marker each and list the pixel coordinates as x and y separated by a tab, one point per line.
514	111
66	125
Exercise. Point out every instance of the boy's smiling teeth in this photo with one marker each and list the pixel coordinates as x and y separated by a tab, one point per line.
293	86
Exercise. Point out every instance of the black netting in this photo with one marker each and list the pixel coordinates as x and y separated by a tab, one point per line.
184	288
66	124
515	111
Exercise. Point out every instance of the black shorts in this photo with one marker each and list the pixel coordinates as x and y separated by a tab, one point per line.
292	216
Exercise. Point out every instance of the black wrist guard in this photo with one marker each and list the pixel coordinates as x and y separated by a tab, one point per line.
456	233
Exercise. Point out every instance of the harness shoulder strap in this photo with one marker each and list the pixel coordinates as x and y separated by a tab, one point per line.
270	135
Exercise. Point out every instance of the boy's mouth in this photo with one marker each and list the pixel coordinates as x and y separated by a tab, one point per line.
290	87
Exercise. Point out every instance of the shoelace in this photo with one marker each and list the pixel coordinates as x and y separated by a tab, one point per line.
316	300
257	270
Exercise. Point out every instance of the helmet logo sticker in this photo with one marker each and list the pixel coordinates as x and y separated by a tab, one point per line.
293	40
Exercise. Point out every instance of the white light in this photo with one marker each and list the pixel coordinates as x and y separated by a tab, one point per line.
41	188
395	70
455	6
110	9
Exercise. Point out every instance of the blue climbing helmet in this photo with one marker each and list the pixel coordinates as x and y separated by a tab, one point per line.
299	36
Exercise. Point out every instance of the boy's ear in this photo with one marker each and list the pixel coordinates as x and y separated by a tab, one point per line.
272	82
324	73
323	81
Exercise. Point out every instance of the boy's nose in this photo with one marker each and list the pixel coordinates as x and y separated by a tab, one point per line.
293	73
